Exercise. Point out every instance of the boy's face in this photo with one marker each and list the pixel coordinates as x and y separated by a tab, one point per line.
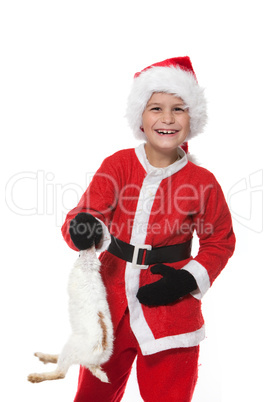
165	121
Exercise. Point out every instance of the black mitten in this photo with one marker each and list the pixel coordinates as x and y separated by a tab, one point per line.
85	230
174	285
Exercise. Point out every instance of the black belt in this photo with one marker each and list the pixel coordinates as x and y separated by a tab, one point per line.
144	255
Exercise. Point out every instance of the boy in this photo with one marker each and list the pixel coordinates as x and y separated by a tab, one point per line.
140	210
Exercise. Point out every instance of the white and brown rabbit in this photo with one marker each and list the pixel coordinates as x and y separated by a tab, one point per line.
91	342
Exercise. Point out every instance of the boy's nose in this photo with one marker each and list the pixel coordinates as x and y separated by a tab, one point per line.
167	117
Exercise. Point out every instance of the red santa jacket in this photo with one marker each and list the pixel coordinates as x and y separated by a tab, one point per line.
141	204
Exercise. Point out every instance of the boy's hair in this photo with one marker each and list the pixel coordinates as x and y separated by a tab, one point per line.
175	76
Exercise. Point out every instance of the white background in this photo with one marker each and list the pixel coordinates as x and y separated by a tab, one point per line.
66	70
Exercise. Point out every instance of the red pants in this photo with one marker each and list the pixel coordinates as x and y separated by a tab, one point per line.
166	376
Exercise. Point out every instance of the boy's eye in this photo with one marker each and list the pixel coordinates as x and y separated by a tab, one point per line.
176	109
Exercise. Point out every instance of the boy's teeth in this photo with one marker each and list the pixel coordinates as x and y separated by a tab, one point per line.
166	132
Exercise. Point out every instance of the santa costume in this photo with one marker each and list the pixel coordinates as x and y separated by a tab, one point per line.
148	216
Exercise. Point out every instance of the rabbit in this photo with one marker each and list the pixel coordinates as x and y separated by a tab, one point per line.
91	342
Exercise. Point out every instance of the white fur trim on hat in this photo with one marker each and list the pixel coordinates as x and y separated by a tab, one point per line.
171	80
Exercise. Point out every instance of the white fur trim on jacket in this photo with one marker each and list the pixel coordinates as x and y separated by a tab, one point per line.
171	80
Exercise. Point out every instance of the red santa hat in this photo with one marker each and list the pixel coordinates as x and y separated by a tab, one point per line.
175	76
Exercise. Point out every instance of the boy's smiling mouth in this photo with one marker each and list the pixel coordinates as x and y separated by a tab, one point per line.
166	132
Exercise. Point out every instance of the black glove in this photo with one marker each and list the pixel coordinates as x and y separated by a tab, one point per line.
174	285
85	230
